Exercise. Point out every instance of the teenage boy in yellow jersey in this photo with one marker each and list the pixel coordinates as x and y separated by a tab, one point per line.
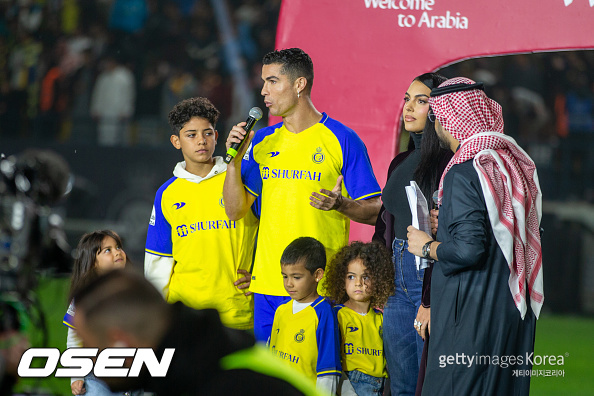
292	165
305	332
194	253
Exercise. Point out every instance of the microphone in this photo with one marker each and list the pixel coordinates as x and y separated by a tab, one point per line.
254	115
435	199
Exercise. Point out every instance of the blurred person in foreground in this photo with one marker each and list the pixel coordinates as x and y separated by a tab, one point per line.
123	309
13	343
486	288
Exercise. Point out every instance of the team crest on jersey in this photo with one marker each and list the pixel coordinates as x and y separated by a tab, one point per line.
381	332
221	201
349	348
299	337
318	156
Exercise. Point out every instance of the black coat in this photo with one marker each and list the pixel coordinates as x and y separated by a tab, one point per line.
472	309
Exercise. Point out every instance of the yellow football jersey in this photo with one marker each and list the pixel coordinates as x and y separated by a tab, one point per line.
284	169
308	339
361	341
189	224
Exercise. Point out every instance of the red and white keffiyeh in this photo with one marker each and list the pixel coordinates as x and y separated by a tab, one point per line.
509	182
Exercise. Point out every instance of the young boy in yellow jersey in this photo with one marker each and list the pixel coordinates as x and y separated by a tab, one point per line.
194	253
304	331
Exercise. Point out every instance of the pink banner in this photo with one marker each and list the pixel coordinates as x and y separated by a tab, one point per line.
366	52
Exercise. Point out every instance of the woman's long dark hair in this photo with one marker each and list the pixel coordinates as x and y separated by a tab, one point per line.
428	172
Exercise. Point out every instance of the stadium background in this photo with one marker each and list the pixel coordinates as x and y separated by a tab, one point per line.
52	51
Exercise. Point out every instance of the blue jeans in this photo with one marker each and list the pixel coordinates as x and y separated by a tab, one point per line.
96	387
365	384
402	344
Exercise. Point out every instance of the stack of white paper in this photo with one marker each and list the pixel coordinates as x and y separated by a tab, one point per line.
420	215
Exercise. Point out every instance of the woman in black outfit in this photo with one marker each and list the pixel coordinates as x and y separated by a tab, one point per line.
424	162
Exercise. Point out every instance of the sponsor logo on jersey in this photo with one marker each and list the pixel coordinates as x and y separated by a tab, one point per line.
351	329
318	156
222	201
299	337
369	351
290	174
179	205
285	355
349	348
182	230
207	225
246	156
153	217
273	154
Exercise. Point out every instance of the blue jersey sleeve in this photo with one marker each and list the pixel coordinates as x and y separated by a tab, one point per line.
359	179
328	338
158	238
250	168
257	207
250	173
69	317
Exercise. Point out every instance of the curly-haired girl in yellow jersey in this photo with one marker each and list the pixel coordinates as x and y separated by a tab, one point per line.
360	280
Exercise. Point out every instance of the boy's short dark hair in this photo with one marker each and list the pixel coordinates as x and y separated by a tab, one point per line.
121	298
295	63
193	107
306	249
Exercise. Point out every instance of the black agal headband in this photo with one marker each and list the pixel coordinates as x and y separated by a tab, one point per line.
456	88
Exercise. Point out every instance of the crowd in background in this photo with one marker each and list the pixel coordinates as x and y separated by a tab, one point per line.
548	107
108	73
60	58
74	71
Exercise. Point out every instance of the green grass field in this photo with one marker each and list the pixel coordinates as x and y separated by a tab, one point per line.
52	295
555	335
570	337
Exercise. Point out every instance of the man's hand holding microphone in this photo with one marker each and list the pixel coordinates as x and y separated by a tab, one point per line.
240	133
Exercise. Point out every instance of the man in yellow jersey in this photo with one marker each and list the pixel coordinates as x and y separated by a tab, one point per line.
194	253
292	165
